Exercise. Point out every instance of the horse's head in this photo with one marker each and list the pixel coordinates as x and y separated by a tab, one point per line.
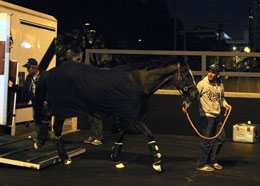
184	82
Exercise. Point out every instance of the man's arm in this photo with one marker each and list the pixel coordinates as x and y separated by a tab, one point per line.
200	87
41	88
224	103
23	90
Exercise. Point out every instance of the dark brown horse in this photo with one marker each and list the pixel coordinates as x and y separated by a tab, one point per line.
76	88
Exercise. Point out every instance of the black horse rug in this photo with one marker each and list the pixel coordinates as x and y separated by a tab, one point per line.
76	88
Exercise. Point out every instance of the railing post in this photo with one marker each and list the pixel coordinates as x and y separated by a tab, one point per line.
87	57
203	65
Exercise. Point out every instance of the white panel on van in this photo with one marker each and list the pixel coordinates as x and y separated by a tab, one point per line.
4	65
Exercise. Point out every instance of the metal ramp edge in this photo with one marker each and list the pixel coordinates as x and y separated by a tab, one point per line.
44	163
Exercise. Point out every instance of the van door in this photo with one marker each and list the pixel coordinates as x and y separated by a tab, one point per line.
4	65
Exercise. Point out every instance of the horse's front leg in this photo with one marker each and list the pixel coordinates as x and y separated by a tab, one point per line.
57	127
153	147
116	149
42	120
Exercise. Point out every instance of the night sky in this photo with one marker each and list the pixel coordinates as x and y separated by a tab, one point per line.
233	14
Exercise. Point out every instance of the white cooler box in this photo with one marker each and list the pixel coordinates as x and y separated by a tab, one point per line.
248	133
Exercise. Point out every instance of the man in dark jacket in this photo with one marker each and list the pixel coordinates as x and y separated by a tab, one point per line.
28	89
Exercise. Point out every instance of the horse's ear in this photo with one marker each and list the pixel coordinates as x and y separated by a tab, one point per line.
188	66
182	63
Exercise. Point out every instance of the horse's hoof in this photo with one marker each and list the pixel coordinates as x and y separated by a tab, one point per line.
158	168
36	145
67	161
120	165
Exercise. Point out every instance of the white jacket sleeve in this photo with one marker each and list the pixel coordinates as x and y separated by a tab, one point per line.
223	100
200	87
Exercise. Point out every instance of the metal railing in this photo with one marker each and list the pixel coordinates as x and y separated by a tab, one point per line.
203	72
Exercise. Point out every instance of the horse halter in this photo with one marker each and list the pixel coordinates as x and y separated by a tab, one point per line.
179	78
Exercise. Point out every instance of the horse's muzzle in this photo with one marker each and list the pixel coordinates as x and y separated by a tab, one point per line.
193	94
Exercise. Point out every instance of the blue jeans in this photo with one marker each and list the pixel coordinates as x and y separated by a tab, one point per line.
96	127
209	149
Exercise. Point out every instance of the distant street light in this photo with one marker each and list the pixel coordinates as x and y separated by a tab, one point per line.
247	49
88	39
89	35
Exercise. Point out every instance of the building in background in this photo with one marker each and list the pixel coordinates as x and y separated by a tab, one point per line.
205	39
241	45
254	25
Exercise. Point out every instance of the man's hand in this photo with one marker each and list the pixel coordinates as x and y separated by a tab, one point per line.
228	107
185	106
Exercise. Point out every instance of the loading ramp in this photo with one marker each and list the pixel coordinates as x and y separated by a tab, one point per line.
19	151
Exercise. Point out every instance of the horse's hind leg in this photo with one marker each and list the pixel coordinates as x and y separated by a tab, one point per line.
153	147
116	149
57	127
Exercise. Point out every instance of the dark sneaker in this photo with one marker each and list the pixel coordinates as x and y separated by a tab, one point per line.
217	166
89	140
206	168
96	142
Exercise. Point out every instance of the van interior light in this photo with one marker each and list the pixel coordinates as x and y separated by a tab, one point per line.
25	44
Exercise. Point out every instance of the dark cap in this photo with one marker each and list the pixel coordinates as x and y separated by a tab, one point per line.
29	62
214	68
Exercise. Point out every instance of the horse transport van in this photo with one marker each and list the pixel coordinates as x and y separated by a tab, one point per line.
24	34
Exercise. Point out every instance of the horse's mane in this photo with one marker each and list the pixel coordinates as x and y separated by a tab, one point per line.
150	64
